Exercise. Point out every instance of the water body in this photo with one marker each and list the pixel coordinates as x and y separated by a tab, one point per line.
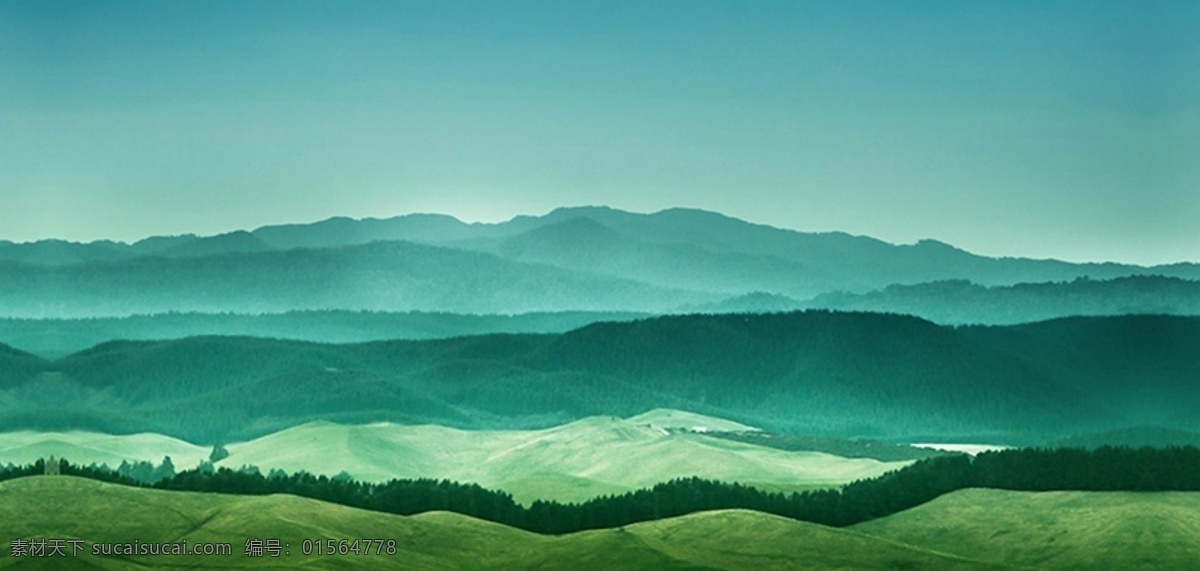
971	449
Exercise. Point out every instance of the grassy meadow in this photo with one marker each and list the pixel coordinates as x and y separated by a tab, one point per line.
73	508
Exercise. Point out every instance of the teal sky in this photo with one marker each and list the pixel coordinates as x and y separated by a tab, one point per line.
1044	129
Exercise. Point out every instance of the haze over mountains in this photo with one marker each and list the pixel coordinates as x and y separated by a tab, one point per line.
60	337
962	302
572	259
575	286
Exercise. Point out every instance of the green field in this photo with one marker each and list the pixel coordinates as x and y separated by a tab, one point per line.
1056	530
573	462
83	448
63	507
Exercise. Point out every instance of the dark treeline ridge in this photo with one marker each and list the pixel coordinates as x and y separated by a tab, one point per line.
1030	469
847	375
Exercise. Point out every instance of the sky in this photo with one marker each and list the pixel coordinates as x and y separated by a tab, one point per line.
1064	129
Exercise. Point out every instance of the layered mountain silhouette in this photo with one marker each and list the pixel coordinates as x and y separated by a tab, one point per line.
588	258
380	276
963	302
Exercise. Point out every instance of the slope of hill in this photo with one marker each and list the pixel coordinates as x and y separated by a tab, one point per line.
862	261
688	421
1148	364
1055	530
962	302
753	302
581	460
60	337
83	448
17	366
737	538
62	253
385	276
239	242
583	244
342	231
67	507
817	373
849	448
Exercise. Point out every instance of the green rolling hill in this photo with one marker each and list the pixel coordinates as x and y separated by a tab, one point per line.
1143	531
682	420
735	538
581	460
72	508
575	462
83	448
17	366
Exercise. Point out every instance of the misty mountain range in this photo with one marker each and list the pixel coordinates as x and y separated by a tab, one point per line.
963	302
572	259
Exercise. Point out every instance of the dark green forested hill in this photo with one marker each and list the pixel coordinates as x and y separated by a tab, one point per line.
855	373
1136	360
17	366
816	372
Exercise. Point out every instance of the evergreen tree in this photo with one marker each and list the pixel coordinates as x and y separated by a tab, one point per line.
219	452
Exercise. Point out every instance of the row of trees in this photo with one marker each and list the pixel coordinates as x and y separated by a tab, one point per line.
1102	469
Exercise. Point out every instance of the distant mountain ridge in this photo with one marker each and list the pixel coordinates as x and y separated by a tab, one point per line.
571	259
947	302
963	302
706	229
58	337
379	276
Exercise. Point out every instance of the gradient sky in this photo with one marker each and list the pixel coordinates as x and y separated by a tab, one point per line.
1043	129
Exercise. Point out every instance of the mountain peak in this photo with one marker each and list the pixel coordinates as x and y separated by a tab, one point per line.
932	244
562	211
236	242
581	226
